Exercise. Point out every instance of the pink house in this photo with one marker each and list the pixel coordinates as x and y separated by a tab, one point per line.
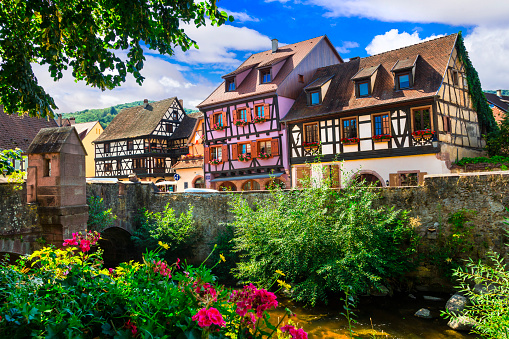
246	145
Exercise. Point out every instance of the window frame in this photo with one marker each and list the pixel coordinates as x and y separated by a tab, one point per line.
214	118
139	163
157	162
410	84
399	173
130	145
239	113
239	147
341	130
373	123
265	140
107	148
304	134
108	167
455	78
358	88
263	72
220	147
227	84
255	108
310	97
446	124
169	128
412	114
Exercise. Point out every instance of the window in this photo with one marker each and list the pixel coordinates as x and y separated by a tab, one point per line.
230	85
215	153
130	145
403	81
186	185
381	124
265	76
314	98
218	119
139	163
199	183
363	89
409	179
349	128
455	78
175	115
169	128
47	168
242	114
311	133
265	147
108	167
244	148
260	111
447	124
421	119
250	185
301	78
159	163
107	147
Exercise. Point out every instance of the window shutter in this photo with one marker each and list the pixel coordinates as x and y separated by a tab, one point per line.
235	152
248	114
224	153
336	176
254	149
206	154
234	112
393	179
225	123
421	177
211	122
274	147
326	172
302	173
266	111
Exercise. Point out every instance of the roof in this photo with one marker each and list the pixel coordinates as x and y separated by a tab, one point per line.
405	64
365	72
51	140
318	82
137	121
84	128
430	68
194	163
19	131
184	129
292	53
501	102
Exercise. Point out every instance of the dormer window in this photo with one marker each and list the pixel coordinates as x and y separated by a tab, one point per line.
316	90
403	81
404	73
365	81
230	85
314	98
265	76
363	89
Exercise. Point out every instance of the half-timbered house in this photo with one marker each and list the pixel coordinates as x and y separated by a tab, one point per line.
389	118
146	140
246	145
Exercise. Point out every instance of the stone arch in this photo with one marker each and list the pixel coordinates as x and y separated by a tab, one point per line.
117	246
228	186
370	176
251	185
159	180
200	179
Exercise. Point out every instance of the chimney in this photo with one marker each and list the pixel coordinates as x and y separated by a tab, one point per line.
499	93
181	102
274	45
59	120
72	121
145	103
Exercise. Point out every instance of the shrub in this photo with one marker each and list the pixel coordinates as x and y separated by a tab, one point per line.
99	217
322	239
225	248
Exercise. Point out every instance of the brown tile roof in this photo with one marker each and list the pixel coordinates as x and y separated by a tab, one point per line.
139	121
19	131
294	53
365	72
239	70
405	64
430	69
51	140
188	164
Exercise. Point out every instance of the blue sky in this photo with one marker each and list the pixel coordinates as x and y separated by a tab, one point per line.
355	27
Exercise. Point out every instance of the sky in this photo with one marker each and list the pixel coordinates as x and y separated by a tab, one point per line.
355	27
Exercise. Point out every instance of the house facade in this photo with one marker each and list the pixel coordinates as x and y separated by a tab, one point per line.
145	140
499	104
390	118
245	142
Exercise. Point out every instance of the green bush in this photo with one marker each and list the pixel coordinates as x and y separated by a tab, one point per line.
496	159
178	232
99	217
225	248
324	240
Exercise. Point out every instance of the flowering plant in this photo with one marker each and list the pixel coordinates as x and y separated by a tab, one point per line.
353	140
423	133
218	127
311	144
263	155
382	137
244	157
259	120
215	161
241	123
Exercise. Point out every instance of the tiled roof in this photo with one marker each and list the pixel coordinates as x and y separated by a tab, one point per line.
189	164
239	70
319	82
136	121
405	64
185	128
500	102
293	53
365	72
19	131
430	69
50	140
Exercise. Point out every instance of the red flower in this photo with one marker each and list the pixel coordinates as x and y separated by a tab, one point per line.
209	317
132	327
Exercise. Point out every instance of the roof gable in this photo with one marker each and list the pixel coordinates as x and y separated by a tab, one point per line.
52	140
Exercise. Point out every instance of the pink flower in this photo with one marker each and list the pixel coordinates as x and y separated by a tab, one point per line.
295	333
132	327
177	263
209	317
111	270
85	245
252	298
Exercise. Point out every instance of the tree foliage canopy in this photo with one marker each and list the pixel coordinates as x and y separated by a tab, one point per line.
85	35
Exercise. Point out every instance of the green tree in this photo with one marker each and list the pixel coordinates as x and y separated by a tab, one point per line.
84	35
498	142
7	158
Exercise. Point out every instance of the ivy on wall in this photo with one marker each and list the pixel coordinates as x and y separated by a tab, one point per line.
481	106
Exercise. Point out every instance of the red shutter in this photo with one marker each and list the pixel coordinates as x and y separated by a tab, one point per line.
266	111
336	176
234	113
274	147
248	114
225	123
235	152
393	179
206	155
224	153
254	149
211	122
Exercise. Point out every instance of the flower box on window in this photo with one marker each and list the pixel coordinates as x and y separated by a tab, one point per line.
259	120
424	133
241	123
215	161
244	157
264	155
381	137
350	141
311	144
218	127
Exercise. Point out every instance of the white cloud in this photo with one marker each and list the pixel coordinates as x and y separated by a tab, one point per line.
393	39
346	46
452	12
240	16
